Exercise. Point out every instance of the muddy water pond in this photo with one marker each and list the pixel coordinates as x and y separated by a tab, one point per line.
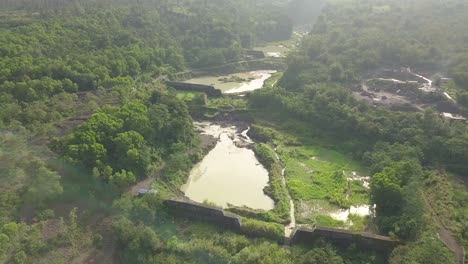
236	82
230	173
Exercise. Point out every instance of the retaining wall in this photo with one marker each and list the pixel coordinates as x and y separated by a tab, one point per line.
208	89
344	238
256	54
205	213
302	235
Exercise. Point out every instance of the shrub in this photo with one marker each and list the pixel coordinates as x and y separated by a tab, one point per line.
255	228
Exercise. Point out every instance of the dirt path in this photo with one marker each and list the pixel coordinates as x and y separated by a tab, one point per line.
144	184
446	236
289	228
147	182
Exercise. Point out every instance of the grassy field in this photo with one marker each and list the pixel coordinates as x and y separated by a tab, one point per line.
316	176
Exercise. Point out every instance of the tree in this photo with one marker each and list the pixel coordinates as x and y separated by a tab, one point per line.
264	253
321	255
130	151
4	239
20	258
336	72
123	178
73	231
394	192
428	250
44	187
387	194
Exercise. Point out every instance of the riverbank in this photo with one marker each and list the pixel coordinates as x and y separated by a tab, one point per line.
309	193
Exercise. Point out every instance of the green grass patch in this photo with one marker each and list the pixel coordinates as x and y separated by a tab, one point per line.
357	194
266	134
328	221
273	80
316	174
165	190
359	222
188	95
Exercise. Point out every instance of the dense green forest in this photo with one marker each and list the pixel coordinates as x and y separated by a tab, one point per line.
407	152
352	38
65	62
85	115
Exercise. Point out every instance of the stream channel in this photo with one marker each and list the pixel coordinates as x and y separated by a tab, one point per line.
230	174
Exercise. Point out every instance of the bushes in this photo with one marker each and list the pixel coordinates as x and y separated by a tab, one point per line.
123	144
276	188
326	220
428	250
263	134
255	228
268	216
266	155
264	253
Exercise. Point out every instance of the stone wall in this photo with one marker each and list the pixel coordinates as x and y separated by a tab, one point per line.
255	54
201	212
344	238
302	235
208	89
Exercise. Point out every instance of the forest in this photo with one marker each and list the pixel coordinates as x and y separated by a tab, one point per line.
85	117
406	152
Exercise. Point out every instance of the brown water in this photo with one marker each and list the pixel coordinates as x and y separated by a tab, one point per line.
236	82
228	174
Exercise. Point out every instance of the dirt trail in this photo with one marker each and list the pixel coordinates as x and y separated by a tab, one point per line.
289	228
147	182
144	184
446	236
